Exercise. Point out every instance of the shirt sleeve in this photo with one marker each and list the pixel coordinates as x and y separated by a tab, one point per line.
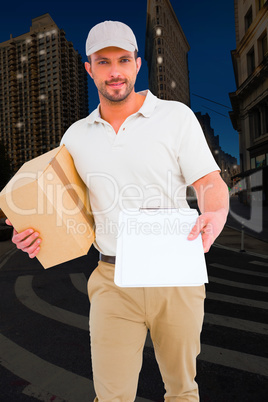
194	156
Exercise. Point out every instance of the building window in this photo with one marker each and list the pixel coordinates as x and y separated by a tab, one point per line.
264	118
262	47
255	123
248	19
260	161
258	120
251	61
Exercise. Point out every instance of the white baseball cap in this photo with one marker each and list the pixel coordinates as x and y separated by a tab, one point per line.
110	33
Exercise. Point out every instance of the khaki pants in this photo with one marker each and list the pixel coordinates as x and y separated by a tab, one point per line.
119	320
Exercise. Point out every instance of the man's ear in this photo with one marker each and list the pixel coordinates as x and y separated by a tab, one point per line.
138	63
88	68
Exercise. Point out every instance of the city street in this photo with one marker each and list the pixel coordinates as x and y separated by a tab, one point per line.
44	341
94	121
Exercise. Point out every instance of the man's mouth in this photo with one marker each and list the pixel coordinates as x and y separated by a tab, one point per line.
116	85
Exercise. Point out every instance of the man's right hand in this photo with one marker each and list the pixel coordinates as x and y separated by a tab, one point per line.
27	241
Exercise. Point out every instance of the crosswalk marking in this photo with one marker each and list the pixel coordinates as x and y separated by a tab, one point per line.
56	380
7	256
234	359
261	263
259	255
239	285
45	376
236	323
27	296
237	300
80	282
40	394
229	358
240	270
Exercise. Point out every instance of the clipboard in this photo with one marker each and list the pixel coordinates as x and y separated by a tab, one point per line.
153	249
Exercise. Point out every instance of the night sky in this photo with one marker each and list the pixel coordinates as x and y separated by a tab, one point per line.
208	26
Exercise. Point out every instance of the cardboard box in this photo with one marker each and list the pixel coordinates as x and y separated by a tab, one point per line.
48	195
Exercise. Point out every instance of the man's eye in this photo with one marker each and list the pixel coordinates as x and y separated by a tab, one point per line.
103	62
125	60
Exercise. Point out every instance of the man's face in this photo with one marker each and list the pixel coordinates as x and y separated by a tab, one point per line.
114	72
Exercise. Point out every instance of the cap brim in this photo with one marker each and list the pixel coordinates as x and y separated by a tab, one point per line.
111	43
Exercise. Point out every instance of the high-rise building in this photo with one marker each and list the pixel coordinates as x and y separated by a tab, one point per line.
166	53
250	100
43	90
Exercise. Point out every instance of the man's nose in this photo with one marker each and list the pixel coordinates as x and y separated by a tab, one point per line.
114	71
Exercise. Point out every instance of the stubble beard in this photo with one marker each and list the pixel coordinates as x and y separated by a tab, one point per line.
117	95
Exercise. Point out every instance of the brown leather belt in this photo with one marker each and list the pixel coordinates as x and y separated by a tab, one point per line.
110	259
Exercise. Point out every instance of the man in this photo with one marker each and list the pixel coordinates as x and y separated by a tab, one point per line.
126	151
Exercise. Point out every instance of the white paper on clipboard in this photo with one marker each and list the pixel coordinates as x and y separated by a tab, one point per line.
153	250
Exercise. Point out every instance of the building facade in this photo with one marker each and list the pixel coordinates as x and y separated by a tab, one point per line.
166	53
43	90
250	100
226	162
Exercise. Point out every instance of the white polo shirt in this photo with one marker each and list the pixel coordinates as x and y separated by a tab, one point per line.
156	153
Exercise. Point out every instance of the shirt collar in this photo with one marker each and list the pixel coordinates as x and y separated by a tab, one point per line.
146	110
94	116
149	104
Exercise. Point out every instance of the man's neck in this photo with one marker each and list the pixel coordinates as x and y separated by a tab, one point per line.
116	113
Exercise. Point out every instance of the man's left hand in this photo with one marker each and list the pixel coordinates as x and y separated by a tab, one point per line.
210	225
